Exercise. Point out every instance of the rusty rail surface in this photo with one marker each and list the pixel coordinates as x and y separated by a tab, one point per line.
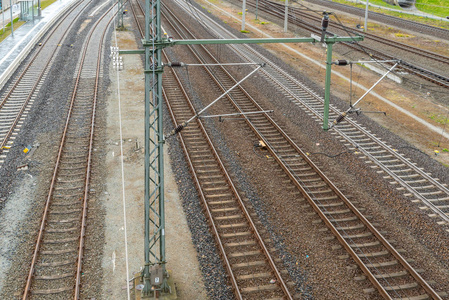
326	192
87	166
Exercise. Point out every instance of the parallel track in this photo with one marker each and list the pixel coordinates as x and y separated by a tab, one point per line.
19	97
245	255
386	19
303	20
56	265
389	272
419	186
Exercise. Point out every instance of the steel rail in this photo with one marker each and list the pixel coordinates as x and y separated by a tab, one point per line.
418	71
380	17
314	95
48	36
385	243
89	157
55	173
253	227
139	26
415	168
346	245
39	77
279	13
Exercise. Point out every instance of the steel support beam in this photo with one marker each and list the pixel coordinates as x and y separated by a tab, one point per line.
154	159
154	222
327	86
120	14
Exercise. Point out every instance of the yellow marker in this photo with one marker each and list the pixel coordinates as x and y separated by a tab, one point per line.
436	152
26	150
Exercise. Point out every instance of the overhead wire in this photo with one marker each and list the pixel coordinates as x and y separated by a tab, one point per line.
122	168
444	128
363	49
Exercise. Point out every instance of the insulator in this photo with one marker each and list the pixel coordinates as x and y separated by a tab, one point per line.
176	64
325	22
342	62
179	128
340	118
153	66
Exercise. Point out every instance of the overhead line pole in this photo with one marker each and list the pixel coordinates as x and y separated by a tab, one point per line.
243	14
365	28
286	16
12	19
154	273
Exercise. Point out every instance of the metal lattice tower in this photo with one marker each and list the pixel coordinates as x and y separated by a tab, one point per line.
154	272
120	14
154	159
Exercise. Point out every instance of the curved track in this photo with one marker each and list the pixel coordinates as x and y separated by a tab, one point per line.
19	96
56	265
389	272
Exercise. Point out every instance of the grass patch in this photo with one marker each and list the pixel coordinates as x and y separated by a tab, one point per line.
244	31
442	12
404	35
46	3
439	119
5	33
435	7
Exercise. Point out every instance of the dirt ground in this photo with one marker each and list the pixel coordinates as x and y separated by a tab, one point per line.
181	255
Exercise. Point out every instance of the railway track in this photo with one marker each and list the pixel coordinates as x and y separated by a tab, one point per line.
245	255
306	20
55	270
386	19
417	185
139	16
20	94
389	272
